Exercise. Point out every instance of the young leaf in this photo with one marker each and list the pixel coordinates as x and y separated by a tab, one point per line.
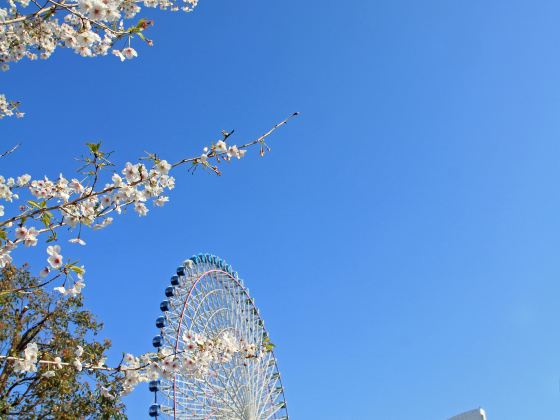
46	219
93	147
77	270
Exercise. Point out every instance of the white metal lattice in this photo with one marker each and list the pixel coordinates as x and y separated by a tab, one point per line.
208	298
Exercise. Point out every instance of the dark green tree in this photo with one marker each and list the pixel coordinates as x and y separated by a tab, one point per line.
58	327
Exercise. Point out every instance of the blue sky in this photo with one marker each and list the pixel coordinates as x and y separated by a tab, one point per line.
401	240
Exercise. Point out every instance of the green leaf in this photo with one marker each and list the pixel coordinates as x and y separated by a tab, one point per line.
77	270
267	344
46	218
94	147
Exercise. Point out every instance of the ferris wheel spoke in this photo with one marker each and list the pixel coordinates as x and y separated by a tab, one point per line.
233	398
267	381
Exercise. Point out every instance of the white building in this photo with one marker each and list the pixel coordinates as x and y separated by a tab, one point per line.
478	414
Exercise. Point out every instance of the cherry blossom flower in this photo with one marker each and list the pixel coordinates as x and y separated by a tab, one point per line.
61	290
23	180
29	363
141	209
55	260
117	180
77	241
106	201
77	288
53	249
119	54
77	365
21	232
106	222
130	172
163	167
76	186
105	393
221	146
80	271
25	366
233	151
31	351
30	238
58	362
160	201
129	53
73	291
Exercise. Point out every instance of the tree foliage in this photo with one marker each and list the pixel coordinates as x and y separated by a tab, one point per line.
58	326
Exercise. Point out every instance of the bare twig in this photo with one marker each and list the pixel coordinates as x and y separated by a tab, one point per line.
272	130
28	289
13	149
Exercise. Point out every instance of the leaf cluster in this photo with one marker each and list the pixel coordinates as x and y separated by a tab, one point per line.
58	326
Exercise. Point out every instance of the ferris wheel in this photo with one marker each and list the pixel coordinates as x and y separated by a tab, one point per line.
216	356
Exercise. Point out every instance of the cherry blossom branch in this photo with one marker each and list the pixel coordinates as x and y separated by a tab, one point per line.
91	21
80	205
9	107
196	160
89	27
213	153
32	15
84	366
195	359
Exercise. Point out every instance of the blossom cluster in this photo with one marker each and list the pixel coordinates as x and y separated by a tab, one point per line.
195	359
9	108
30	362
221	148
68	202
88	27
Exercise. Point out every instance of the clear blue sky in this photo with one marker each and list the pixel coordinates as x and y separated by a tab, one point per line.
401	241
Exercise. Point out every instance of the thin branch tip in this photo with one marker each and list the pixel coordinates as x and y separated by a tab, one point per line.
13	149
